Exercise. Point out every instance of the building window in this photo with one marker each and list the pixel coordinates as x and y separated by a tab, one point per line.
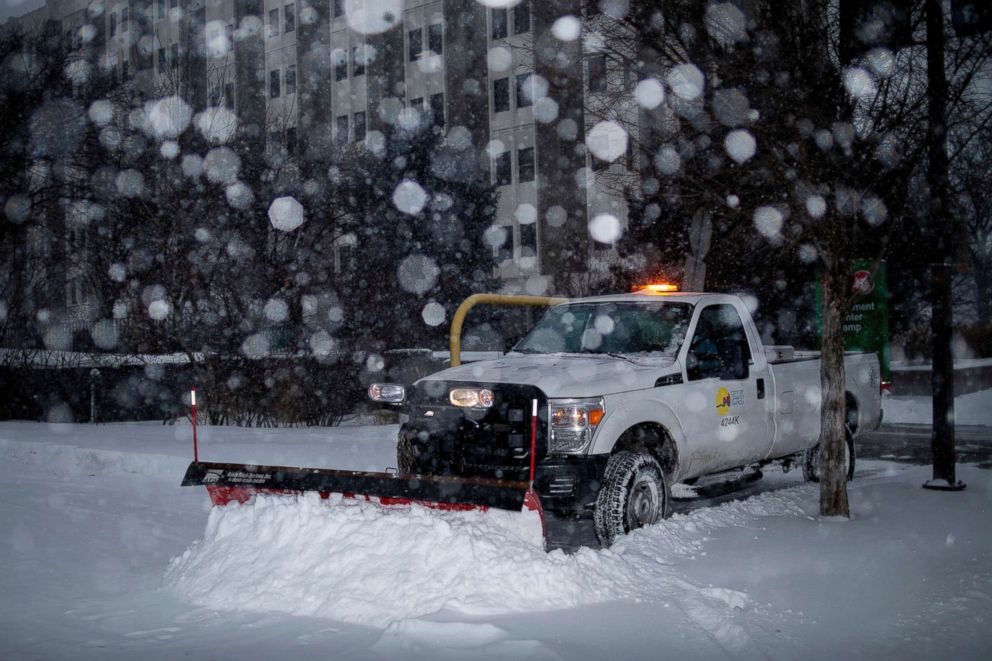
113	24
528	236
338	8
499	23
501	95
174	55
124	20
437	109
415	43
525	164
525	91
506	248
274	83
161	8
173	4
521	19
289	18
124	69
504	170
597	73
359	126
273	23
628	78
417	104
229	95
340	65
342	129
161	59
435	38
345	259
291	79
291	140
358	55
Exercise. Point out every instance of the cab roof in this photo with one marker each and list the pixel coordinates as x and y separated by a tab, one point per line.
692	298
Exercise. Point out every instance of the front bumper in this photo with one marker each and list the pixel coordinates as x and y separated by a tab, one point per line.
570	485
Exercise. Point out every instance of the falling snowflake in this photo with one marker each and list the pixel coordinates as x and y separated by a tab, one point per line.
605	228
740	145
409	197
286	214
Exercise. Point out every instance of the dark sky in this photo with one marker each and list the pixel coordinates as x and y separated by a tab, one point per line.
17	7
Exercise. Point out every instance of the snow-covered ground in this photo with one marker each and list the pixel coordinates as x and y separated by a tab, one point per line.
971	409
104	556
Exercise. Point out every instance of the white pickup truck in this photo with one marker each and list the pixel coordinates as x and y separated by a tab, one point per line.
634	393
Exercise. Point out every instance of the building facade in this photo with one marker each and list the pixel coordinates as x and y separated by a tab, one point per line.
302	73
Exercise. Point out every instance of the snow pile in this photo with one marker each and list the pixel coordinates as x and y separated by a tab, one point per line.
65	459
971	409
360	562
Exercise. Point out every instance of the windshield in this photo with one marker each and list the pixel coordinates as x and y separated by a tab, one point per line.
610	327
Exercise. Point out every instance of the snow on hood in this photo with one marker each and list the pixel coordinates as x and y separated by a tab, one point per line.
565	375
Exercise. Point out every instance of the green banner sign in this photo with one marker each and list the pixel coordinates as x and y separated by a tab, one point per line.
866	327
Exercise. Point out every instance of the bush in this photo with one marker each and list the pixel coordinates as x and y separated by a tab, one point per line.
276	391
978	339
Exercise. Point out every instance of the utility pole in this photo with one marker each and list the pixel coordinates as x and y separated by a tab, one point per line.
941	270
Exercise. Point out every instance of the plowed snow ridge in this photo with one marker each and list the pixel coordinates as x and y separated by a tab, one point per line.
360	562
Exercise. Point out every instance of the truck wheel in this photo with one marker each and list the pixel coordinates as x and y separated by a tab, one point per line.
404	457
634	494
811	460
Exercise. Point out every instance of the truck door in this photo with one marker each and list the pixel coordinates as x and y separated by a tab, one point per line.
726	400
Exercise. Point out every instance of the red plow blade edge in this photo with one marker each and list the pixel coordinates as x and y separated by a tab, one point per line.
239	482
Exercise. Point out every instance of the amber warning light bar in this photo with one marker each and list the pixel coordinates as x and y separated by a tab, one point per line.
659	288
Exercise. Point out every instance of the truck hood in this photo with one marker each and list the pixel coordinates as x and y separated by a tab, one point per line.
565	375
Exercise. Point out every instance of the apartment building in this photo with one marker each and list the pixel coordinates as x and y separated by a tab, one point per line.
303	73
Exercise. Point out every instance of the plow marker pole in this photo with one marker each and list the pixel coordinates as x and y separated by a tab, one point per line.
192	403
533	441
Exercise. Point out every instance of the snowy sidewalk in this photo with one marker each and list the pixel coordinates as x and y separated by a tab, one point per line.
907	442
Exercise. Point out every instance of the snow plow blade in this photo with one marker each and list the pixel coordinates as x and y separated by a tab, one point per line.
239	482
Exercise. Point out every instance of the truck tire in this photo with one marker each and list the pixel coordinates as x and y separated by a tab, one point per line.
635	493
404	457
811	460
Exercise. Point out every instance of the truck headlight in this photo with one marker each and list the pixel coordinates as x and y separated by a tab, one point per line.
471	397
387	393
573	423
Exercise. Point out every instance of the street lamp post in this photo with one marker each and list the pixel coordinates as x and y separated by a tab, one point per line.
941	315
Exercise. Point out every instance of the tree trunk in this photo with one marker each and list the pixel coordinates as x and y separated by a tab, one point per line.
833	474
983	294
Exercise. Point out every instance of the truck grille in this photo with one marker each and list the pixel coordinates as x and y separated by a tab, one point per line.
494	442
